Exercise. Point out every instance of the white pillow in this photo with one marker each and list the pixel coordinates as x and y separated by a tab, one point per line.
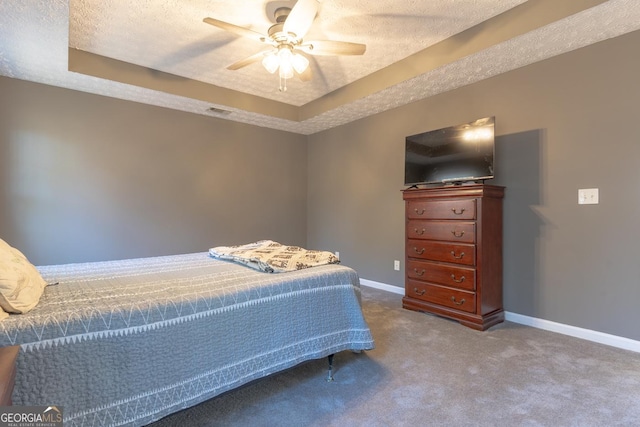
20	282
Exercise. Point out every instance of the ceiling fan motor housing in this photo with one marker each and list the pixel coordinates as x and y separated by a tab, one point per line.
280	14
276	32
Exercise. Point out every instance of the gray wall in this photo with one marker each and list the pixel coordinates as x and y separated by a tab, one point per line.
566	123
85	177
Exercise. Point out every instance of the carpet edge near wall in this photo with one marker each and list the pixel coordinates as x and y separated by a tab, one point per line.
547	325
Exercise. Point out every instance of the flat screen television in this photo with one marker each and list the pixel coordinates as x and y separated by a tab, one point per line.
455	154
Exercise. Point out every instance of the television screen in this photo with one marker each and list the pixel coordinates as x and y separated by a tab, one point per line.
454	154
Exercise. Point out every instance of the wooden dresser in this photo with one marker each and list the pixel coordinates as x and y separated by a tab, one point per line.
454	253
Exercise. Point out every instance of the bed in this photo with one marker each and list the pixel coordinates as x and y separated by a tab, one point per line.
129	342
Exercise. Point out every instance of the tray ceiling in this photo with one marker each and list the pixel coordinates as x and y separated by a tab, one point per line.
159	52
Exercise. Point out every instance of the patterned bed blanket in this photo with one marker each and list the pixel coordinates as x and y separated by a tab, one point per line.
273	257
128	342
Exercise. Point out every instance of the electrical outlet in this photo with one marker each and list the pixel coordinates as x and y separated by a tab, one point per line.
588	196
396	265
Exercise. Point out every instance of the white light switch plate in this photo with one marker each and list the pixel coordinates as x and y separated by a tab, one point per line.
588	196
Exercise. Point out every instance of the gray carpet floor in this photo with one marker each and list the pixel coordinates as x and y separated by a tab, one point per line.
429	371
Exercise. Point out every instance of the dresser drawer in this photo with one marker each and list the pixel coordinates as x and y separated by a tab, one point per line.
441	295
455	277
454	231
442	209
457	253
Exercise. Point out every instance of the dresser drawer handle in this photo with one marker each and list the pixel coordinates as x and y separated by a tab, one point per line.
421	292
457	233
418	232
457	212
419	273
419	212
453	254
460	280
419	252
457	302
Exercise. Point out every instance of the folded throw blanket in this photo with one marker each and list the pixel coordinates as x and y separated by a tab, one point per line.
273	257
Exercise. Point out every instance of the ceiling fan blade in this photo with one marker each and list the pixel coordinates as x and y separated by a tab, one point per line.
301	17
240	31
330	47
249	60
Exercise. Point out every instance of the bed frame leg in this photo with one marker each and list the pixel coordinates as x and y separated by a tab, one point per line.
330	376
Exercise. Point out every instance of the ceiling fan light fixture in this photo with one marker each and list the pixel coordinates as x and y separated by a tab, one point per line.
271	62
286	61
299	62
286	70
285	57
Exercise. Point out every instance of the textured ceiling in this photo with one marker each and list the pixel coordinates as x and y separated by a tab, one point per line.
169	36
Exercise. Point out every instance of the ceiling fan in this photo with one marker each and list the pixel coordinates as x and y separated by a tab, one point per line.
287	47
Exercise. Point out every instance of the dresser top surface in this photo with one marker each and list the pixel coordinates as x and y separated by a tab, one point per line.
447	191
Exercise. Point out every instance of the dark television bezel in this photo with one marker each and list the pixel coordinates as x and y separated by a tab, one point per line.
457	180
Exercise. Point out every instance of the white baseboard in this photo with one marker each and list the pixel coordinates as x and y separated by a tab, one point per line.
547	325
585	334
389	288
